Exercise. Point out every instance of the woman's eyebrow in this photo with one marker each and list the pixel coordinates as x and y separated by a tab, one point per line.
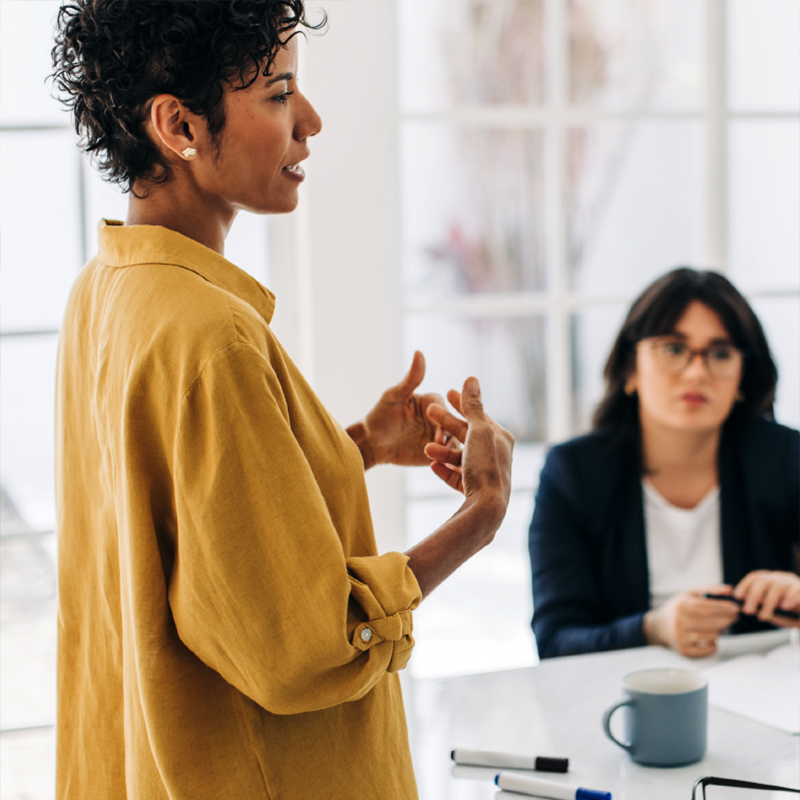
716	340
286	76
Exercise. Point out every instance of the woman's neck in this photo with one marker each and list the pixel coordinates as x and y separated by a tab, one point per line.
172	206
681	465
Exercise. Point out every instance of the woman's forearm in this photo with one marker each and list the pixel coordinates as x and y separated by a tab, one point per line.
469	530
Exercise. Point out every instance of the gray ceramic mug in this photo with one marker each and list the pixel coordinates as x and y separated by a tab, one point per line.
665	715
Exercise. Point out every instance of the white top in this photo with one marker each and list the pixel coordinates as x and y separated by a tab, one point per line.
684	549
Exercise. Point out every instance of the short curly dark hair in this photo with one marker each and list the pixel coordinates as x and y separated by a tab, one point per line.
112	57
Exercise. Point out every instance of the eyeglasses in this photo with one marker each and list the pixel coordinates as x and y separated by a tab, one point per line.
710	781
722	361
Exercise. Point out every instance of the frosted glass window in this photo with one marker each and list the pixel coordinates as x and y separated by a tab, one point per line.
638	54
764	55
780	317
104	200
594	331
472	210
506	355
26	422
635	206
247	245
41	244
26	37
470	52
28	625
764	204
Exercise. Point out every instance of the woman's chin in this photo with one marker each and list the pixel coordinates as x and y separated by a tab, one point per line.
282	205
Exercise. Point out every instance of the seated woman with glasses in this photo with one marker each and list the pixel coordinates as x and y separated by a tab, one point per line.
685	488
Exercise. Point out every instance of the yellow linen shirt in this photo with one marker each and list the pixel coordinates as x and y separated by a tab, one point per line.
226	626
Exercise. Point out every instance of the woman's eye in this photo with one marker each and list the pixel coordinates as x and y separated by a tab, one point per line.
282	98
673	349
720	354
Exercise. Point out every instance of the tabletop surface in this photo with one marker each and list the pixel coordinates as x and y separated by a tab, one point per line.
555	709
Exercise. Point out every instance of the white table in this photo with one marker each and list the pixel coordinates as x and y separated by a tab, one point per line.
555	708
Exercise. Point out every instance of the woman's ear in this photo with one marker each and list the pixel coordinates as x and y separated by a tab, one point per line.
630	384
174	128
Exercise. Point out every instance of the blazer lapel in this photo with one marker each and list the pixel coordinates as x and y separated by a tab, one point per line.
625	553
733	513
636	550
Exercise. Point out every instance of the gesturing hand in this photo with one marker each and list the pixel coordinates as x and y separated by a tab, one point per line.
397	429
484	465
482	471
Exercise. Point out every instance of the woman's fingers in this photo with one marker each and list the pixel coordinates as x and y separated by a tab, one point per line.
752	588
763	591
452	477
781	593
702	648
443	454
471	405
773	594
484	463
440	416
697	621
410	382
454	398
791	600
704	608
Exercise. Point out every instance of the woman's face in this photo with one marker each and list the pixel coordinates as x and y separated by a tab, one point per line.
692	399
263	142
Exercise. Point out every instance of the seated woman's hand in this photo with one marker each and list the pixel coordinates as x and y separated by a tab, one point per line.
397	429
764	591
691	623
483	468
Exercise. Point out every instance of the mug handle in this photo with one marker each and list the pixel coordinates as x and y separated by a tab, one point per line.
607	723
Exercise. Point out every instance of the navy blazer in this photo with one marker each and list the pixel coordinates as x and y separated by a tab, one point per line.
587	537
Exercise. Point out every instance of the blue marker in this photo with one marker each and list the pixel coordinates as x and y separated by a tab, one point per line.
538	787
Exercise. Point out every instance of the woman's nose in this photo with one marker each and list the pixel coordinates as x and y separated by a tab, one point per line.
308	121
696	365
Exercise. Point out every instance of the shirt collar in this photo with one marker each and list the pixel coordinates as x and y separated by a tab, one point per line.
128	245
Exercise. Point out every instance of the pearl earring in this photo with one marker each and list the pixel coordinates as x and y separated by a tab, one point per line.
188	152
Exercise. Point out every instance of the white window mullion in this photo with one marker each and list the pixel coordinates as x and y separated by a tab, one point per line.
716	239
558	329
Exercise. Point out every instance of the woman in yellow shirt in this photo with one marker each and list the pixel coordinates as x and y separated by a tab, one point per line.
227	628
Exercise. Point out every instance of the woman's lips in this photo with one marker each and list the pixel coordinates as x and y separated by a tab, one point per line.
294	172
694	398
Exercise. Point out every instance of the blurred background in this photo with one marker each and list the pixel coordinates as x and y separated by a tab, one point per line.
495	182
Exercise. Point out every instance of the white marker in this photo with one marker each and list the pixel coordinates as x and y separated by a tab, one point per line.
538	787
486	758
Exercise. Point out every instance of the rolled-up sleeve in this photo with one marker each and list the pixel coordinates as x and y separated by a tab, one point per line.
261	587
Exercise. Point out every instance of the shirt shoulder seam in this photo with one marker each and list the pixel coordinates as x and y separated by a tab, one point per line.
238	343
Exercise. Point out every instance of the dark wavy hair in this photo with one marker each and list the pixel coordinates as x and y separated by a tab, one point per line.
112	57
655	313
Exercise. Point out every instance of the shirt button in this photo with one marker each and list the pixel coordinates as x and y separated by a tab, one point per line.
366	635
